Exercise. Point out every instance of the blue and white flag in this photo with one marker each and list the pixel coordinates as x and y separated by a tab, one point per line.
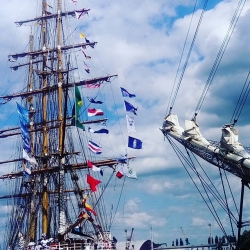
121	160
94	147
130	124
130	108
134	143
125	93
92	100
26	144
100	131
23	114
25	131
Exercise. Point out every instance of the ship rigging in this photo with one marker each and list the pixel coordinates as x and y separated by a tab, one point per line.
228	154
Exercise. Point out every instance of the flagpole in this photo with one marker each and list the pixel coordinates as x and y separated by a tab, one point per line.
151	236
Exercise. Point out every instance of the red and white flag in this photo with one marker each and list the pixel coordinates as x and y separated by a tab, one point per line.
122	170
93	85
93	167
94	147
95	112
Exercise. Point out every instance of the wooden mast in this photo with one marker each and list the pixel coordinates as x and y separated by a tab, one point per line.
45	202
62	216
32	225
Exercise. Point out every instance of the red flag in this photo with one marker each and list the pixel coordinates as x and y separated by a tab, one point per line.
121	172
92	182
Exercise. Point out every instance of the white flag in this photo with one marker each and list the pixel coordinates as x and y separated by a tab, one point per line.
28	171
131	173
32	160
130	124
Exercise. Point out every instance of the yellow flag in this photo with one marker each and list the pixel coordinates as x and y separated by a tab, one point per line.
82	35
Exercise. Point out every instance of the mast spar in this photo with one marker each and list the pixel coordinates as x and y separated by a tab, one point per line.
62	217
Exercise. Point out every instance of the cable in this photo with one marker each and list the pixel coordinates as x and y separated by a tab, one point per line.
220	55
170	104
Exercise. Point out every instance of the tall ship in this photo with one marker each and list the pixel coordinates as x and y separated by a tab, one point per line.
197	152
62	161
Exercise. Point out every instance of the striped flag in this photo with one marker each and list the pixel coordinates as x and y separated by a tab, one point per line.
95	112
93	85
94	147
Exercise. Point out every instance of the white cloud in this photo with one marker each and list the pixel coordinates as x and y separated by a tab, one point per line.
142	43
196	221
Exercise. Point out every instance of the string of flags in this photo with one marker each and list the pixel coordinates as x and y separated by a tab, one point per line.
132	142
86	215
24	121
92	45
93	147
126	170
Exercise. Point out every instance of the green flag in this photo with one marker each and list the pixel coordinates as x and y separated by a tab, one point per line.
76	108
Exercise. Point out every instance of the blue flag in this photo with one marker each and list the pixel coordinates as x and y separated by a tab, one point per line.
122	160
100	131
130	108
26	144
92	100
125	93
25	131
23	114
134	143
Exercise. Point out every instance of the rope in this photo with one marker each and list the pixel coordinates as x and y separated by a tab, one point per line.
241	101
220	55
226	201
189	161
118	202
170	105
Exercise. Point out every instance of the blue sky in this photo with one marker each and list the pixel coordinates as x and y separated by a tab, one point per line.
142	41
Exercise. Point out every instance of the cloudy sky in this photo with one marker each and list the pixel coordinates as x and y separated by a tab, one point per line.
142	42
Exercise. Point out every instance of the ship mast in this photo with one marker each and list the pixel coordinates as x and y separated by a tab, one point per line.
45	202
62	217
32	225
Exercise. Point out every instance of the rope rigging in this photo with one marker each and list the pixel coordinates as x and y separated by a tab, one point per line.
170	105
172	99
241	101
220	55
215	66
209	188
